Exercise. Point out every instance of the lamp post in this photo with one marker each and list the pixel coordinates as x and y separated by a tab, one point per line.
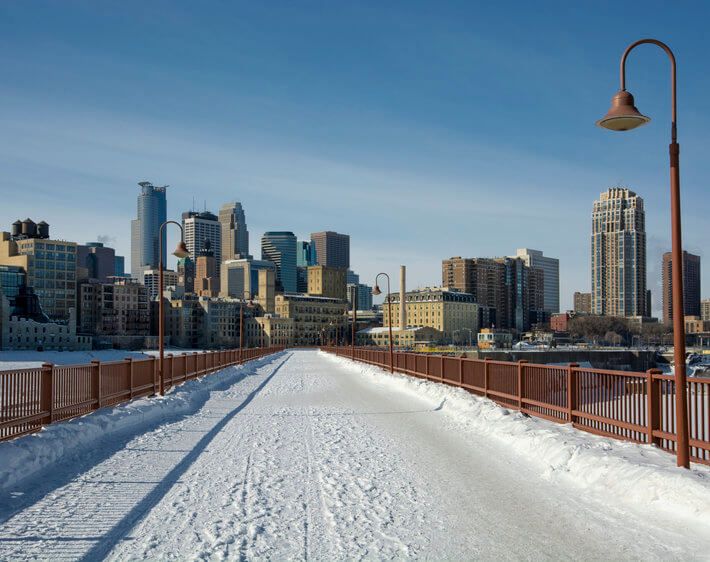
377	291
624	116
241	323
352	335
180	252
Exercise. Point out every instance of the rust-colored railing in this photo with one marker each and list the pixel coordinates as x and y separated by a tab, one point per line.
637	407
34	397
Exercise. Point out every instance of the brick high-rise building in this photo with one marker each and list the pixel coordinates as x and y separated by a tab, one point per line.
327	282
331	249
119	307
551	269
619	254
582	303
206	272
507	285
691	286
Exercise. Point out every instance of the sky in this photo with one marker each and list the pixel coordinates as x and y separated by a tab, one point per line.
424	130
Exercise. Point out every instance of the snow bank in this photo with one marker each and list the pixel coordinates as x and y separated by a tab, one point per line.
26	456
25	359
638	476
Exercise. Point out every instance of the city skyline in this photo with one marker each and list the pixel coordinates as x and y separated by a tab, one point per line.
274	154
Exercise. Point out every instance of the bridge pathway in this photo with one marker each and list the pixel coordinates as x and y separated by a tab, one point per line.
309	459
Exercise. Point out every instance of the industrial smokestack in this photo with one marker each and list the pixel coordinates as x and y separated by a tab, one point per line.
402	294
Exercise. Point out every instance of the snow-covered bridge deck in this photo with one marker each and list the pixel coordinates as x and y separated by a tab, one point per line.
307	457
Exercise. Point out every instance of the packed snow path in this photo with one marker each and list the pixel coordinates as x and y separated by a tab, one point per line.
306	458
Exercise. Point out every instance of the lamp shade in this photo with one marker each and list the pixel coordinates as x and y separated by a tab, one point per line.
181	250
623	115
376	291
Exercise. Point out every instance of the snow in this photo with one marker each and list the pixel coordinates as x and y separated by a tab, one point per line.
307	456
10	360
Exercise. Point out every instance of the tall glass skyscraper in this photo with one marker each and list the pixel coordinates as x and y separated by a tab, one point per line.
152	212
306	254
280	248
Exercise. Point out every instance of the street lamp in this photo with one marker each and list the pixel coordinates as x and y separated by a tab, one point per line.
180	252
250	305
623	116
376	291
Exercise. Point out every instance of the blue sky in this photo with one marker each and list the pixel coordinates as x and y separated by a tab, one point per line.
424	130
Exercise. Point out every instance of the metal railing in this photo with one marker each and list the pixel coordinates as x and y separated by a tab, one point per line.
34	397
638	407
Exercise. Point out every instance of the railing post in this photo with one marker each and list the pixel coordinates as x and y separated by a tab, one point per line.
46	396
441	372
485	377
461	370
129	370
426	366
96	383
571	391
521	383
171	370
155	374
653	410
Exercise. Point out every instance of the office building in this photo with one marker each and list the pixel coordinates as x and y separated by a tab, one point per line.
151	281
206	275
50	265
362	295
446	310
271	330
23	324
119	268
98	260
332	249
327	282
312	316
145	229
705	310
306	255
551	271
511	293
619	254
582	303
240	278
235	236
280	248
691	286
118	308
201	226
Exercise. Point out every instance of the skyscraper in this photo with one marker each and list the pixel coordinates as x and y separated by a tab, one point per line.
332	249
551	273
152	212
306	255
619	254
235	236
280	248
201	226
691	286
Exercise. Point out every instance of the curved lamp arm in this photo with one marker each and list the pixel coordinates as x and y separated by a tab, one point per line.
671	56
